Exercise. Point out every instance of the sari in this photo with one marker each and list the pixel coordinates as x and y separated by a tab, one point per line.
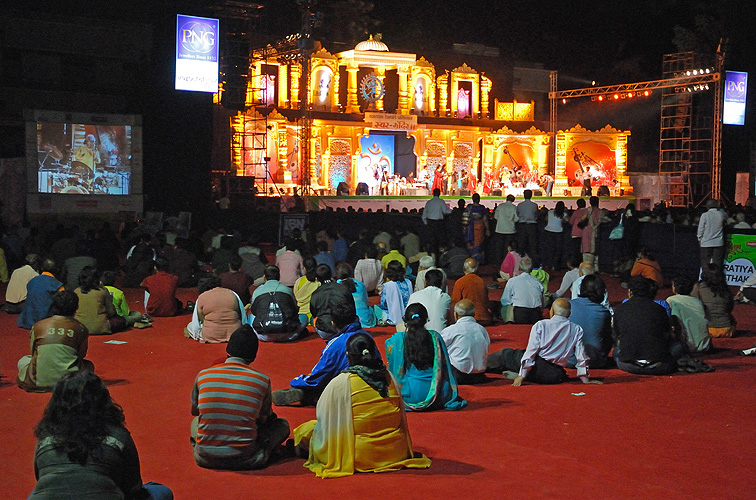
429	389
475	234
358	430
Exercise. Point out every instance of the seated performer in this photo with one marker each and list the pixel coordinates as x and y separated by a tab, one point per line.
306	389
53	355
361	424
552	341
418	359
467	343
235	427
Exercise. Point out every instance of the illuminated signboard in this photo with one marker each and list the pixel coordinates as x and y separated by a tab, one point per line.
736	85
196	54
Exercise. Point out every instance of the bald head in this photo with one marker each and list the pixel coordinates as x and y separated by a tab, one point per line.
561	307
464	307
470	266
585	268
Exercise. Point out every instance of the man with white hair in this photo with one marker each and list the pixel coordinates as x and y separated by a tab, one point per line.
586	269
523	295
435	300
471	286
467	343
428	262
552	341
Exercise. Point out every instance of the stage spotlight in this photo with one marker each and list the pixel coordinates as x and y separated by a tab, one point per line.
593	83
564	101
707	86
646	93
707	71
695	72
629	94
616	96
688	73
600	98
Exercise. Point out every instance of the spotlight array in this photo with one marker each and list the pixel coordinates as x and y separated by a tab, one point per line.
621	95
692	88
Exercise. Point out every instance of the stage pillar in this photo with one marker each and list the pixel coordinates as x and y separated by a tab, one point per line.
381	72
403	101
353	105
296	72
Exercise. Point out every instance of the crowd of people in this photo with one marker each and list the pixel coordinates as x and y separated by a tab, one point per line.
435	291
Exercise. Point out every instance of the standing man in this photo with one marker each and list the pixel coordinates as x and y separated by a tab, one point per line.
711	235
235	427
506	218
527	213
433	217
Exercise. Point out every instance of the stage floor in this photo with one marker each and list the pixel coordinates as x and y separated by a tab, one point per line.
387	203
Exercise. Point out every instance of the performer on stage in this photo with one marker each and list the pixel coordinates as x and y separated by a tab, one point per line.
438	179
585	178
473	184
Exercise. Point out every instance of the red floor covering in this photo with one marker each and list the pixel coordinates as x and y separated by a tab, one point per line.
680	436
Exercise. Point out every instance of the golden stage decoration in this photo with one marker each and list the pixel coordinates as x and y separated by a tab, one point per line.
514	111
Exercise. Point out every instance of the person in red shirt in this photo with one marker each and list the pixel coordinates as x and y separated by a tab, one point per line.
160	291
471	287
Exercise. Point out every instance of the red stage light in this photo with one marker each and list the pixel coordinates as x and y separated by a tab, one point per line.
600	98
616	96
629	94
646	93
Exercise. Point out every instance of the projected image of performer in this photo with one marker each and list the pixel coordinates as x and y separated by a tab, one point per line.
88	154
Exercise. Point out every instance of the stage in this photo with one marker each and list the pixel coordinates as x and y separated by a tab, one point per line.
388	203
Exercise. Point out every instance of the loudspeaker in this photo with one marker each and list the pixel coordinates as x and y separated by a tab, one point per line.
603	191
537	192
362	189
496	192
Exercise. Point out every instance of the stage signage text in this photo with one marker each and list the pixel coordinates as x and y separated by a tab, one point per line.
388	121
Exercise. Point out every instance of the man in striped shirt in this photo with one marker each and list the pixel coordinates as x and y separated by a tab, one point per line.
235	427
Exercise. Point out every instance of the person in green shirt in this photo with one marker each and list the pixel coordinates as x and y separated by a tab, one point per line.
108	279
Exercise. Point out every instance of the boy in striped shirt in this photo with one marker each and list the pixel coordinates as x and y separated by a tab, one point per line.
235	427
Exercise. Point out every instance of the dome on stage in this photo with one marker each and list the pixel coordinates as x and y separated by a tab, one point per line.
371	44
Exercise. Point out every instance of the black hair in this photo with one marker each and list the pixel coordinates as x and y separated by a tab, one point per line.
345	274
395	271
559	209
641	287
108	278
323	273
342	315
322	246
361	350
235	262
310	265
647	253
715	280
48	265
527	194
64	303
78	415
208	283
272	272
476	198
434	277
683	285
418	343
592	288
161	264
594	201
371	252
581	203
89	279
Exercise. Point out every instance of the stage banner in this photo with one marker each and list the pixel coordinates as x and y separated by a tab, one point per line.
196	53
740	261
288	223
736	86
388	121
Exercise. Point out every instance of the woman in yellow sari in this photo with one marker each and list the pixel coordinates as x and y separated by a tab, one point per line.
361	424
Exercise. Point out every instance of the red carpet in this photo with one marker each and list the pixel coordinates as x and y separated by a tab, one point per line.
680	436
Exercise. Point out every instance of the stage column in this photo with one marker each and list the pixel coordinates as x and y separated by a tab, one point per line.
353	105
296	72
404	102
381	72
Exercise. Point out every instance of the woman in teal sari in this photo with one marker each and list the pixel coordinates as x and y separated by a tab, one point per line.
418	359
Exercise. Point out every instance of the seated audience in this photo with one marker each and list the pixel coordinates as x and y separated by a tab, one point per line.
324	256
221	256
436	302
120	303
589	313
690	313
303	289
73	266
510	266
644	343
714	294
369	271
523	296
394	254
15	294
328	294
290	263
140	263
274	314
84	449
183	263
364	311
572	274
467	343
471	287
160	291
587	269
418	360
542	276
747	291
253	259
53	354
361	424
427	263
453	260
96	309
395	295
646	266
551	343
234	426
217	314
39	292
236	279
306	389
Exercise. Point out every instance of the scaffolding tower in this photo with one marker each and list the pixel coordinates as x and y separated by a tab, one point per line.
686	132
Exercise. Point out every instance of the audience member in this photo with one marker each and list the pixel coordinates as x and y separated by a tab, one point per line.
217	314
140	262
690	314
274	313
505	231
361	424
553	239
303	289
394	254
253	259
236	279
183	264
160	291
369	270
524	296
527	225
433	217
15	294
96	309
364	311
325	298
717	301
73	266
121	305
467	343
418	360
435	301
324	256
510	266
646	266
577	230
58	346
290	263
471	287
234	426
710	235
427	263
572	274
394	296
589	313
39	292
551	343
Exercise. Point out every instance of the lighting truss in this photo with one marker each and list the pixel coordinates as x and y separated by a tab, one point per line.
678	81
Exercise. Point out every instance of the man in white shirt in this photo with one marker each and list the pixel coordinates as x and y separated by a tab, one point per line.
433	217
711	236
568	279
552	341
427	262
15	294
370	271
586	269
524	293
506	218
467	343
436	302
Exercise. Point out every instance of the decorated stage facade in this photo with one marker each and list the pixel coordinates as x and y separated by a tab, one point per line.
440	132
